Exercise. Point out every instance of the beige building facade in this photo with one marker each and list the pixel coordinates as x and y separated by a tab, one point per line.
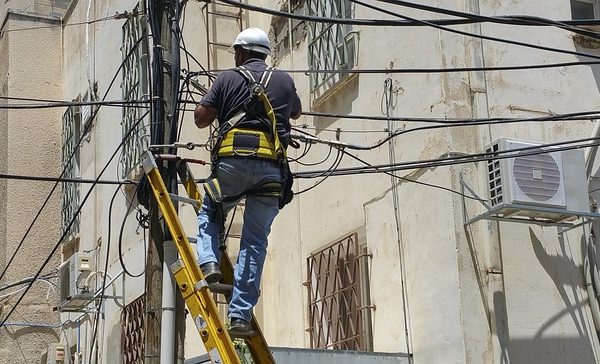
368	261
30	67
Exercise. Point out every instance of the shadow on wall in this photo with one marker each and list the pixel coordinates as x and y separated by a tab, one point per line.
337	100
566	275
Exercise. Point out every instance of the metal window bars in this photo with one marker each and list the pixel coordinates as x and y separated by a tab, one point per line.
338	301
331	46
134	86
132	332
71	133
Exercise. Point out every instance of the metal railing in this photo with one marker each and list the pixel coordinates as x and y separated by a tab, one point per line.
338	298
71	133
132	332
331	46
134	86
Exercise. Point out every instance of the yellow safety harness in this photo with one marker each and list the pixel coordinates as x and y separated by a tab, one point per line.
249	142
244	142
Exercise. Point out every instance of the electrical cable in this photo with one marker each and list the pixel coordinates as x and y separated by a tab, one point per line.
101	297
68	160
479	36
514	20
117	16
326	174
60	104
121	231
27	280
577	115
506	20
69	180
316	163
404	70
72	221
462	159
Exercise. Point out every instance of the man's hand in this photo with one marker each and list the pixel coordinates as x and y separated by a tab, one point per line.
204	116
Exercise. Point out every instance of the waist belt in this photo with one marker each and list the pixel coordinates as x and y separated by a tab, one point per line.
247	143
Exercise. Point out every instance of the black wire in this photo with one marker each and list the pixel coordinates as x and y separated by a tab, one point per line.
479	36
327	173
432	127
60	104
68	161
317	163
413	180
72	221
64	180
121	261
506	20
404	70
514	20
99	304
553	117
463	159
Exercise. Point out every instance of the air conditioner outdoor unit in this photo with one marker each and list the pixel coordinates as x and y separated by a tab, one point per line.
537	182
73	273
56	354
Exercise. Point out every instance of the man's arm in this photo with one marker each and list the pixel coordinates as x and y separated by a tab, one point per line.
204	116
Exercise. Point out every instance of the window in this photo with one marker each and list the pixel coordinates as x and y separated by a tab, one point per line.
331	46
71	133
338	297
585	9
132	332
134	87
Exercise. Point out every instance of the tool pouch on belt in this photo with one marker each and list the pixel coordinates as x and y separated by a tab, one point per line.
287	194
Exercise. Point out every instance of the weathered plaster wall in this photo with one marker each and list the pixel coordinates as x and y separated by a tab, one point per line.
32	68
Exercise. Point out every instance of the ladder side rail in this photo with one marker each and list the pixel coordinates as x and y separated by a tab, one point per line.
188	275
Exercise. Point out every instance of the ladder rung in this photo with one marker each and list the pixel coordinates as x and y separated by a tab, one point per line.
187	200
220	288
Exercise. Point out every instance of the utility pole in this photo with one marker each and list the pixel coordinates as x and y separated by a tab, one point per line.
161	133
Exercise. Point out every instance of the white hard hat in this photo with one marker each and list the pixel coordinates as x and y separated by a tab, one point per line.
253	39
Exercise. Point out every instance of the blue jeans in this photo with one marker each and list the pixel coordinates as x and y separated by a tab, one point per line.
237	175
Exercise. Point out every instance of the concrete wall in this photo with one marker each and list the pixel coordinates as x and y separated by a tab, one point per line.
30	67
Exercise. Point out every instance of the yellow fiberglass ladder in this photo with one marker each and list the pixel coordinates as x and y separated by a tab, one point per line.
197	293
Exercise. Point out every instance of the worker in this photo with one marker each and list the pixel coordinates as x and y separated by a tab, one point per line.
246	163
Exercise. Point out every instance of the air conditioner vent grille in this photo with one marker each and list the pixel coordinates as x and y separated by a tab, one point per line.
537	176
494	177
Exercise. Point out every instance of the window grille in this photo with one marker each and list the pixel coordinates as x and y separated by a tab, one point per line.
134	86
132	332
71	133
331	46
338	297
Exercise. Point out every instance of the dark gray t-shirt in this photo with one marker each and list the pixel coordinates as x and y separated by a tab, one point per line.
230	90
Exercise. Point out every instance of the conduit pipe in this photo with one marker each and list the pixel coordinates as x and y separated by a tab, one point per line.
167	327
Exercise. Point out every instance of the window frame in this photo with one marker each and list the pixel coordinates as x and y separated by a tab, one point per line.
595	4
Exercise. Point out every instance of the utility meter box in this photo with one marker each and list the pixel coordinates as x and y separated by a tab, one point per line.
56	354
536	181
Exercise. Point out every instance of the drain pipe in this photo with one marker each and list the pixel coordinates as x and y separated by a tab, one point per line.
167	330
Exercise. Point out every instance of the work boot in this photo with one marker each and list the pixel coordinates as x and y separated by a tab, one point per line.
239	325
211	272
